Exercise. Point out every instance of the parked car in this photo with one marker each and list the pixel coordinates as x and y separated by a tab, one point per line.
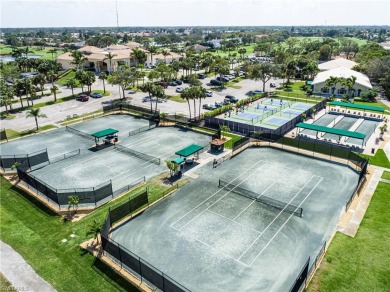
163	84
209	93
179	82
226	101
218	104
201	76
231	98
208	106
82	97
256	92
185	80
96	95
215	82
179	89
132	92
272	84
173	83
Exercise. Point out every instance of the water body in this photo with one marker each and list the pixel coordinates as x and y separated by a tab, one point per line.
8	58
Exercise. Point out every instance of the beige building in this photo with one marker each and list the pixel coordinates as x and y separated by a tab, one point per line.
97	58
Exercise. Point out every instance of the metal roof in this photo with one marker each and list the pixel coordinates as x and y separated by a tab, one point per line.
331	130
358	106
105	132
187	151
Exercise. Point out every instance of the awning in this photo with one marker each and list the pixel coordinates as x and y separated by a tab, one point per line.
331	130
187	151
104	133
357	106
178	160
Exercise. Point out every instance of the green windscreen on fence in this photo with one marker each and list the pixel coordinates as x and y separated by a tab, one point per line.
331	130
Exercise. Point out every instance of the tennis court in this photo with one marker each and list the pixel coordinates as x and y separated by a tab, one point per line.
269	113
121	165
213	235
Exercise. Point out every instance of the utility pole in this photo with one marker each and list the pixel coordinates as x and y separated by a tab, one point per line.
117	16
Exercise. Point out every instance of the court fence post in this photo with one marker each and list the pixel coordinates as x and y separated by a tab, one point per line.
94	195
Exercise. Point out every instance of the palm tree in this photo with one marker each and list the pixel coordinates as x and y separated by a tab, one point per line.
109	57
186	94
165	53
35	113
159	93
331	82
94	230
89	80
242	52
40	80
72	83
52	75
152	50
202	95
19	87
78	58
103	76
52	52
73	202
149	88
350	83
6	95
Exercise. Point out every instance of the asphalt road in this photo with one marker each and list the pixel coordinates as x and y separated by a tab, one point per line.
58	112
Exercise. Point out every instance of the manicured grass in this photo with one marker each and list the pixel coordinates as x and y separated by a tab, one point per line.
379	159
234	138
9	116
249	50
232	85
176	98
36	233
12	134
359	41
101	91
360	263
5	50
71	74
386	175
375	103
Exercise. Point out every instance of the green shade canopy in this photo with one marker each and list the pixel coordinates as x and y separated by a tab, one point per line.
331	130
358	106
310	82
178	160
193	148
104	133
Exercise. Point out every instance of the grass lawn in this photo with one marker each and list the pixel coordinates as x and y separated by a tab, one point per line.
375	103
5	50
233	138
69	75
101	91
248	48
360	263
359	41
176	98
36	233
386	175
5	285
379	159
12	134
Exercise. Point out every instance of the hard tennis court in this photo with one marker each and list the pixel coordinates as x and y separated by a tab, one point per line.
213	235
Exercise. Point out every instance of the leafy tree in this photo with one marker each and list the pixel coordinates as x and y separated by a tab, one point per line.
224	129
171	166
71	83
149	88
122	77
262	71
35	113
325	53
349	46
73	202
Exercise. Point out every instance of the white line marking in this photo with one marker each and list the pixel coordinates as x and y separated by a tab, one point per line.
212	247
266	162
288	219
277	216
253	201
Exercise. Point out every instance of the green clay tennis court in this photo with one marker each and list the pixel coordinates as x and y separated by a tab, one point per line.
94	166
211	235
268	113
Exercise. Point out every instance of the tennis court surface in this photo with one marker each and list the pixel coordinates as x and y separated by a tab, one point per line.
238	227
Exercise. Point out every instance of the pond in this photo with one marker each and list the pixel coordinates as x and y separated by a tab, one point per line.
9	58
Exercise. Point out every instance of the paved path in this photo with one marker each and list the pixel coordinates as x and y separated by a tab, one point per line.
19	273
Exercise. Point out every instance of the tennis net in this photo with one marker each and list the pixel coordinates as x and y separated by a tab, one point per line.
79	133
137	154
262	199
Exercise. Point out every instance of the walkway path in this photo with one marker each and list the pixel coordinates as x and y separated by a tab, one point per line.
19	273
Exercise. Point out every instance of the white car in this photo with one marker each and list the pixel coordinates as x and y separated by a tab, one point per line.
179	89
209	93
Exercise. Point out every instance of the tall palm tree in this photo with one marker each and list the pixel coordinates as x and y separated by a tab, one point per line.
35	113
78	58
165	53
52	75
103	76
109	57
40	80
202	95
186	94
152	51
53	52
71	83
159	93
19	87
331	82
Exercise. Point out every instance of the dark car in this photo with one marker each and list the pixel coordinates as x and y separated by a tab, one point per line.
254	92
96	95
215	82
231	98
173	83
185	80
179	82
218	104
82	97
163	84
201	76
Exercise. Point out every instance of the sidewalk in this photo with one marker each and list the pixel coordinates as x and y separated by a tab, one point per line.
19	273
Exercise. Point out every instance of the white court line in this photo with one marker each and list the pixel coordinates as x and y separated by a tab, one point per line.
277	216
253	201
288	219
212	247
235	222
266	162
